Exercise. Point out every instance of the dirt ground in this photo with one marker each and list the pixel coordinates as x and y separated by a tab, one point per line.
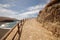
33	30
3	32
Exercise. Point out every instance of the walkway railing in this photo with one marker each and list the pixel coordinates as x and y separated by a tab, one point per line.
14	33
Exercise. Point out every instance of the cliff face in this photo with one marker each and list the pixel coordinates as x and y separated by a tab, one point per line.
50	14
50	17
7	19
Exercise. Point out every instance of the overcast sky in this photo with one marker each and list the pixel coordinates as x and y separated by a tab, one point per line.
21	9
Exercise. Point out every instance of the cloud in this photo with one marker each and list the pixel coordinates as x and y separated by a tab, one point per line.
29	13
7	12
37	7
6	5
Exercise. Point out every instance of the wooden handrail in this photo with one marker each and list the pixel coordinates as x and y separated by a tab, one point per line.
17	26
14	35
6	35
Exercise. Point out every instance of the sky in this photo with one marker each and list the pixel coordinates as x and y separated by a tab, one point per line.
21	9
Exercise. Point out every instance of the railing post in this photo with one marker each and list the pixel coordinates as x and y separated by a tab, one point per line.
18	31
20	25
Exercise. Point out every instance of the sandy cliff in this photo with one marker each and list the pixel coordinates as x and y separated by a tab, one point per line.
50	17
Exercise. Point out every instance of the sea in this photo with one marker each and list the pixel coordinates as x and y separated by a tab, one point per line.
8	25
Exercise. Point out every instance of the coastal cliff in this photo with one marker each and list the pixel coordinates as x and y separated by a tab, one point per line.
50	17
45	27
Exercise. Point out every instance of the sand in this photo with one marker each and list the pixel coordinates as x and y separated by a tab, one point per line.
33	30
3	32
